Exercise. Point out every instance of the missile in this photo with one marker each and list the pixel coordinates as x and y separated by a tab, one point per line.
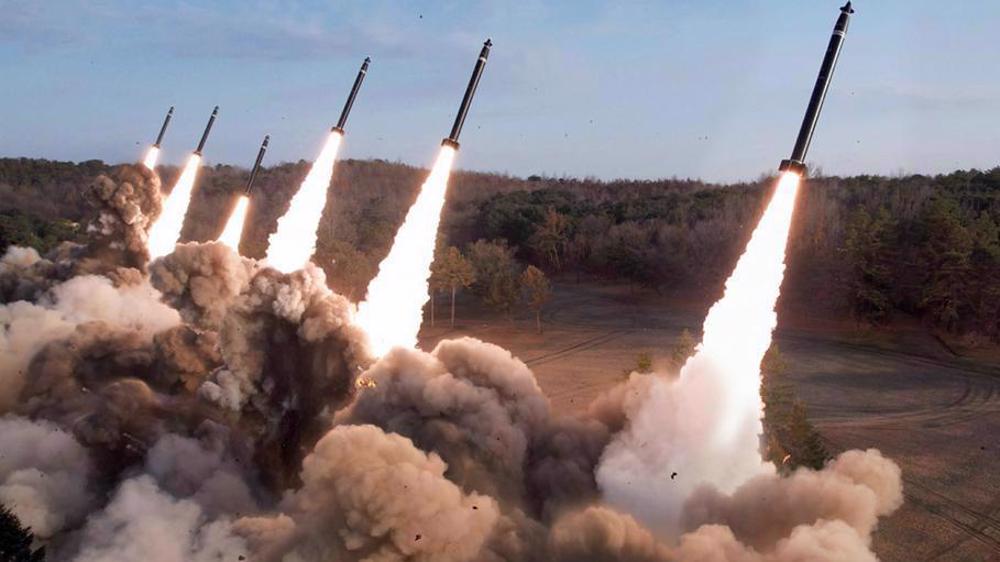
797	162
339	127
163	129
208	129
256	165
470	91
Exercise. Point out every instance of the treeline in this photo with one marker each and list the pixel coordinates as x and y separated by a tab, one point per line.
920	245
868	247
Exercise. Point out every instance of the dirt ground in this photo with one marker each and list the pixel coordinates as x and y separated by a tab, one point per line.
934	413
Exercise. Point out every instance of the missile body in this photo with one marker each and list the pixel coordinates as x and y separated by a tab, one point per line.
256	165
339	127
797	162
470	91
208	129
163	129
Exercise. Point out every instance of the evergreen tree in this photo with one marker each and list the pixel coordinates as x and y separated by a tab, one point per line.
945	256
805	443
15	540
866	249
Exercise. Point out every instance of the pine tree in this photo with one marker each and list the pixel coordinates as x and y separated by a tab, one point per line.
15	540
946	254
866	248
805	442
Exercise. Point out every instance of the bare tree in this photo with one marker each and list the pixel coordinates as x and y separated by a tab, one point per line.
451	271
538	291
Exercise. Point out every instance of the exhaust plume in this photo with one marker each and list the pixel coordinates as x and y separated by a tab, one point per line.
166	231
293	244
233	232
152	157
713	410
392	311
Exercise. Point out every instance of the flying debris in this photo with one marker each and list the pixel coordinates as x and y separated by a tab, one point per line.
163	129
208	129
796	163
470	91
256	165
339	127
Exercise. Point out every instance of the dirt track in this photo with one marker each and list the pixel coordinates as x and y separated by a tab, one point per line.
937	416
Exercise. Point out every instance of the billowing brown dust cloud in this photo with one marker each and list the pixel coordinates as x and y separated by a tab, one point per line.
206	407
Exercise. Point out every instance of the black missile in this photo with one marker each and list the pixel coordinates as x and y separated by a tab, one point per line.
256	165
339	127
797	162
208	129
470	91
163	129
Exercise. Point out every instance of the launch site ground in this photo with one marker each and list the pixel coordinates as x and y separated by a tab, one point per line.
932	410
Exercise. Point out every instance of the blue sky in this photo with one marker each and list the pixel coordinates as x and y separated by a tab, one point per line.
711	89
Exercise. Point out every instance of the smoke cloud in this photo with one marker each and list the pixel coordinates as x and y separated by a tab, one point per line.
44	475
209	407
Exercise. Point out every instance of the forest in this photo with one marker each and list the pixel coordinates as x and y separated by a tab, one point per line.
868	248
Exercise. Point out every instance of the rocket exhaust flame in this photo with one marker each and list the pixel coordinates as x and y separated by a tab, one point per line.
166	231
233	233
706	424
152	156
393	307
294	242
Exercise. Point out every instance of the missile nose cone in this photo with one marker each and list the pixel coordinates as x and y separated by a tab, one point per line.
171	110
267	139
215	111
847	9
489	42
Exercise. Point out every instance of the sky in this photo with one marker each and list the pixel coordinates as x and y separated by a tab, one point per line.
709	89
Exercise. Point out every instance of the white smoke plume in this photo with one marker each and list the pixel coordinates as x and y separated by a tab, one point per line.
44	475
142	522
703	427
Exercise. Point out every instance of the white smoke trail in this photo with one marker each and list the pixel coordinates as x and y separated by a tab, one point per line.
152	156
294	242
233	231
166	231
392	311
704	427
